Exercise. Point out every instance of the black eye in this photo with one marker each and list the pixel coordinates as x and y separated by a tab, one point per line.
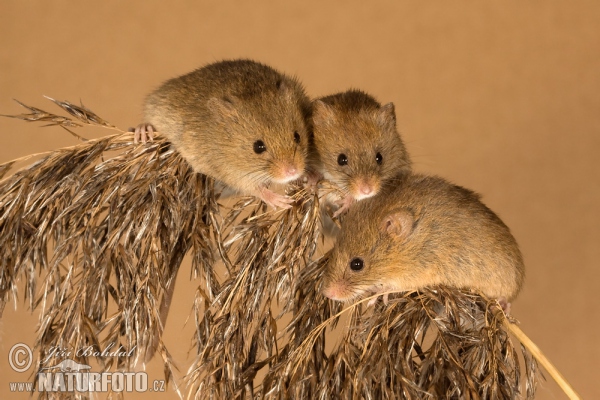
379	158
342	159
259	147
296	137
357	264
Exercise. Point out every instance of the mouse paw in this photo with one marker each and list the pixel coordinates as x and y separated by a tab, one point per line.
311	179
374	300
275	200
504	304
344	206
142	133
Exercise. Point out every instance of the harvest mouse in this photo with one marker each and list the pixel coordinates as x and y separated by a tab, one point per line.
356	144
240	122
423	231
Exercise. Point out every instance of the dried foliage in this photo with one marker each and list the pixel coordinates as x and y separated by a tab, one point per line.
435	343
97	245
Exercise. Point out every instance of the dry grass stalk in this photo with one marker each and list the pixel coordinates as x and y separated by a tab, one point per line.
436	343
264	252
538	355
113	233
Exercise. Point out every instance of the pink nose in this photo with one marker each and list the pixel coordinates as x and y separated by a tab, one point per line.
366	189
290	170
328	292
333	291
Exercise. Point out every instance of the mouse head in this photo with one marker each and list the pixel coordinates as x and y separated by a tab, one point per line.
374	251
269	127
357	142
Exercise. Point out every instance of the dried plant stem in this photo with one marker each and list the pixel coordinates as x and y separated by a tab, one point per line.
537	353
88	141
308	342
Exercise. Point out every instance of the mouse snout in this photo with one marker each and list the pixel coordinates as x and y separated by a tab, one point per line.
367	190
287	171
364	188
290	170
336	291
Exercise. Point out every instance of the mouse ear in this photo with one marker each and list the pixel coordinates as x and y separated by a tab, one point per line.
386	116
222	106
323	113
284	88
399	224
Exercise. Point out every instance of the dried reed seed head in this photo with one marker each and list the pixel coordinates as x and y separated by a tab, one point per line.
110	234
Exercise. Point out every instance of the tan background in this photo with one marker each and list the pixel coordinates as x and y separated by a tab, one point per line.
503	98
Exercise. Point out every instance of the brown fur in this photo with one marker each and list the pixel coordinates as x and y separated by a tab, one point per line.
214	115
355	124
424	231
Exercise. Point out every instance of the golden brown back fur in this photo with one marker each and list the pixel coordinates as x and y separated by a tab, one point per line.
449	237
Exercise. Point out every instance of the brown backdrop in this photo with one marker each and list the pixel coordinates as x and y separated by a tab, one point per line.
501	98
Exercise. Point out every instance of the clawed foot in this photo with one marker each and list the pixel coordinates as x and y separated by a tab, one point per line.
344	206
311	179
504	304
374	300
275	200
142	133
